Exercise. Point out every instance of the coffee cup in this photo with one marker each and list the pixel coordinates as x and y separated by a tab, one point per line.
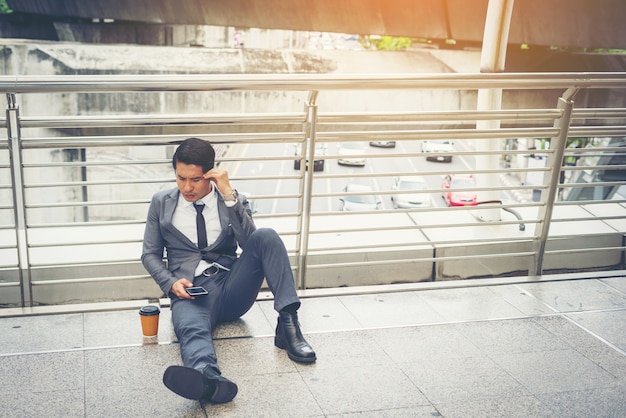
149	315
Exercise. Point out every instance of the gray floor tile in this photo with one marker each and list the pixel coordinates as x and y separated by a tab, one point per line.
29	334
270	395
604	402
411	344
326	314
244	356
147	400
586	344
510	336
52	403
317	314
346	349
363	388
610	326
129	367
127	381
521	300
555	371
576	295
509	407
390	309
618	283
468	304
43	372
462	379
418	411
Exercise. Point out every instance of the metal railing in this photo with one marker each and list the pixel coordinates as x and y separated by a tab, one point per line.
76	186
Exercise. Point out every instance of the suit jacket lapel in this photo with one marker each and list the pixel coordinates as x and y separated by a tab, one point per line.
169	206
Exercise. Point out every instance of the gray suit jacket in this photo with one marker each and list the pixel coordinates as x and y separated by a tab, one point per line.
161	239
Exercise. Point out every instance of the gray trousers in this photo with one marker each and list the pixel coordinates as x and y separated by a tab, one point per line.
231	294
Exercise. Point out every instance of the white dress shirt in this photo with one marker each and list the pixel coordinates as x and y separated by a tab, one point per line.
185	221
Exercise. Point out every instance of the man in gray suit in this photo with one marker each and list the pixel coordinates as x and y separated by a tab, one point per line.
199	225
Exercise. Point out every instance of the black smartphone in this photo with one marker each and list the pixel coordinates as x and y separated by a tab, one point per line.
196	291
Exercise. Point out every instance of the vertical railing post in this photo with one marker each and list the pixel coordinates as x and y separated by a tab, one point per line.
305	223
555	162
492	60
17	184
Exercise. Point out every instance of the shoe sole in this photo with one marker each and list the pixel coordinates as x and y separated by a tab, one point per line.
278	342
193	384
186	382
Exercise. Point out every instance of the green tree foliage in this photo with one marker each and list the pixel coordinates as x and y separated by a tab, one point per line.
390	43
4	7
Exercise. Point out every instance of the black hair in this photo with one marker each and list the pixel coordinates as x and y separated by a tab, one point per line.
195	151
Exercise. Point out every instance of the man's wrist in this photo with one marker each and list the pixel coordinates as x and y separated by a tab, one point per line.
232	197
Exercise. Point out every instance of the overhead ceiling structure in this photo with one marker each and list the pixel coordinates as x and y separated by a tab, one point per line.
560	23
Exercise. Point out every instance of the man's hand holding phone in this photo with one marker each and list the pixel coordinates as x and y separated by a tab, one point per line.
184	289
196	291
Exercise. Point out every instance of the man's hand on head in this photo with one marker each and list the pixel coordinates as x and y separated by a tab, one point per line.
179	286
220	178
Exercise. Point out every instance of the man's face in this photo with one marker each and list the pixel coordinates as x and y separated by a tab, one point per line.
190	181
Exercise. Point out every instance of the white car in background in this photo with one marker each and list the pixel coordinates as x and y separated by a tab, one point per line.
356	150
410	200
366	201
445	148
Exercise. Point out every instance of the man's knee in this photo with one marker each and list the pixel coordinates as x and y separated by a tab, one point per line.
266	239
264	236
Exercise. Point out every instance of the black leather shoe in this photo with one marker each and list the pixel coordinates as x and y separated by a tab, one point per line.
194	384
289	337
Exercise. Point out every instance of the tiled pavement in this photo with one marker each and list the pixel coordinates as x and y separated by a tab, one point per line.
511	348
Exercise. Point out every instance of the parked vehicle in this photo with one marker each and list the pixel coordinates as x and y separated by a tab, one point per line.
367	201
459	198
318	163
410	200
444	148
383	144
356	149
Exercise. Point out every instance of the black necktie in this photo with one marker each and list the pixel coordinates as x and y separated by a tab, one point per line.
200	226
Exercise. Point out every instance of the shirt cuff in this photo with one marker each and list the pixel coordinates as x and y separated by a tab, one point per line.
230	203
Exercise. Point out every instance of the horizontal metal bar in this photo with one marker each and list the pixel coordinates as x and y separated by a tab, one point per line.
411	261
96	183
598	113
304	82
116	262
439	116
85	242
593	184
454	134
134	140
585	249
91	280
83	224
450	243
161	120
597	131
9	284
49	205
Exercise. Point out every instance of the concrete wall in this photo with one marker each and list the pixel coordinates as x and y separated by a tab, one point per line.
571	23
